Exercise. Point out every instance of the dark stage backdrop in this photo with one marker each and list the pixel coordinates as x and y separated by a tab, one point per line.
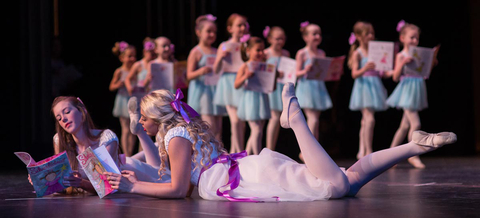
87	30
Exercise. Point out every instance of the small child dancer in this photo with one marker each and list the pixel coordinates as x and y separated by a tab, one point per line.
253	106
200	96
411	93
276	37
226	95
368	93
127	55
135	81
164	50
312	94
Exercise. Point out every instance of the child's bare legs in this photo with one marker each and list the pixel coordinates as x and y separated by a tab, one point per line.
256	132
372	165
315	157
218	121
368	118
127	139
215	123
361	146
273	128
410	122
237	129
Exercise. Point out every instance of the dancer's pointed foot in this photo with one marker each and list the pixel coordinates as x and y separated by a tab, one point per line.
290	105
134	113
416	162
434	140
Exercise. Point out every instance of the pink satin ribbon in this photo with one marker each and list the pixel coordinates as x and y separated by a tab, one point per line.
177	106
233	177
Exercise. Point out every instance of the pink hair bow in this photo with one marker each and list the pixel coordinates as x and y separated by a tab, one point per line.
266	31
352	38
304	24
210	17
122	46
172	48
400	25
177	106
245	38
247	26
149	46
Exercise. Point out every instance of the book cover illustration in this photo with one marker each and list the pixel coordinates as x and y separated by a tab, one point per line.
211	78
381	53
180	76
422	61
289	68
94	170
47	175
162	76
263	79
233	61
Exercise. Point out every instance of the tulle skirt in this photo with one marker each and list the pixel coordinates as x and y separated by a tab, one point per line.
410	94
275	98
368	92
200	98
313	94
253	106
226	94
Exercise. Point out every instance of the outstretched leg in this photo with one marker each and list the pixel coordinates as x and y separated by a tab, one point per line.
372	165
316	159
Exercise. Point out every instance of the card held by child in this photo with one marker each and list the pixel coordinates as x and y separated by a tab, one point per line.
211	78
263	79
381	54
233	61
422	61
47	175
162	76
288	67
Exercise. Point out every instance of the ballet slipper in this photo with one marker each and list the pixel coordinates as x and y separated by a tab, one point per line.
416	162
433	140
288	94
133	111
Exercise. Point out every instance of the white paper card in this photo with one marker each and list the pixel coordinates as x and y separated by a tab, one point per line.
289	68
263	79
162	76
381	53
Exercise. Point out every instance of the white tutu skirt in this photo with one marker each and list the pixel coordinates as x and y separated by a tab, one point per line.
269	176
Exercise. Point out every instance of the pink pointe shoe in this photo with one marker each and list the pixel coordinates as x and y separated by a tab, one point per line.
434	140
288	94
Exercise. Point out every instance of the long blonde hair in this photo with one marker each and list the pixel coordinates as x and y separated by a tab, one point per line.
359	29
156	106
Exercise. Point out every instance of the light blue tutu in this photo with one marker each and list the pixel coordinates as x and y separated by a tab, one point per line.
253	106
313	94
410	94
120	108
275	98
368	92
226	94
200	98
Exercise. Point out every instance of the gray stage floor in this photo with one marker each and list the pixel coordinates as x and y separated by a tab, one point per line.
449	187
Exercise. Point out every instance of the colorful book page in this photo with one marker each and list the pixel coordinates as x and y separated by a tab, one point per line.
263	79
381	53
319	68
211	79
47	175
289	68
94	170
180	77
335	71
422	61
233	61
106	160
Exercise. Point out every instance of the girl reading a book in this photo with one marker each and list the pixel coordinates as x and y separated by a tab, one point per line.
200	62
228	62
312	94
253	106
276	37
196	157
368	93
411	93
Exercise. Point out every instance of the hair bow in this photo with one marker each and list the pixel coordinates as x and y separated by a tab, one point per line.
172	48
177	106
400	25
122	46
149	46
245	38
304	24
352	38
266	31
210	17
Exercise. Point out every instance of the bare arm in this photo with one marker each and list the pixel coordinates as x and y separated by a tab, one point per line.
356	72
192	62
217	66
116	83
400	61
131	77
299	58
180	151
242	75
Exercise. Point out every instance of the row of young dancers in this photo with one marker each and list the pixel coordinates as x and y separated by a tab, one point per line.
229	98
